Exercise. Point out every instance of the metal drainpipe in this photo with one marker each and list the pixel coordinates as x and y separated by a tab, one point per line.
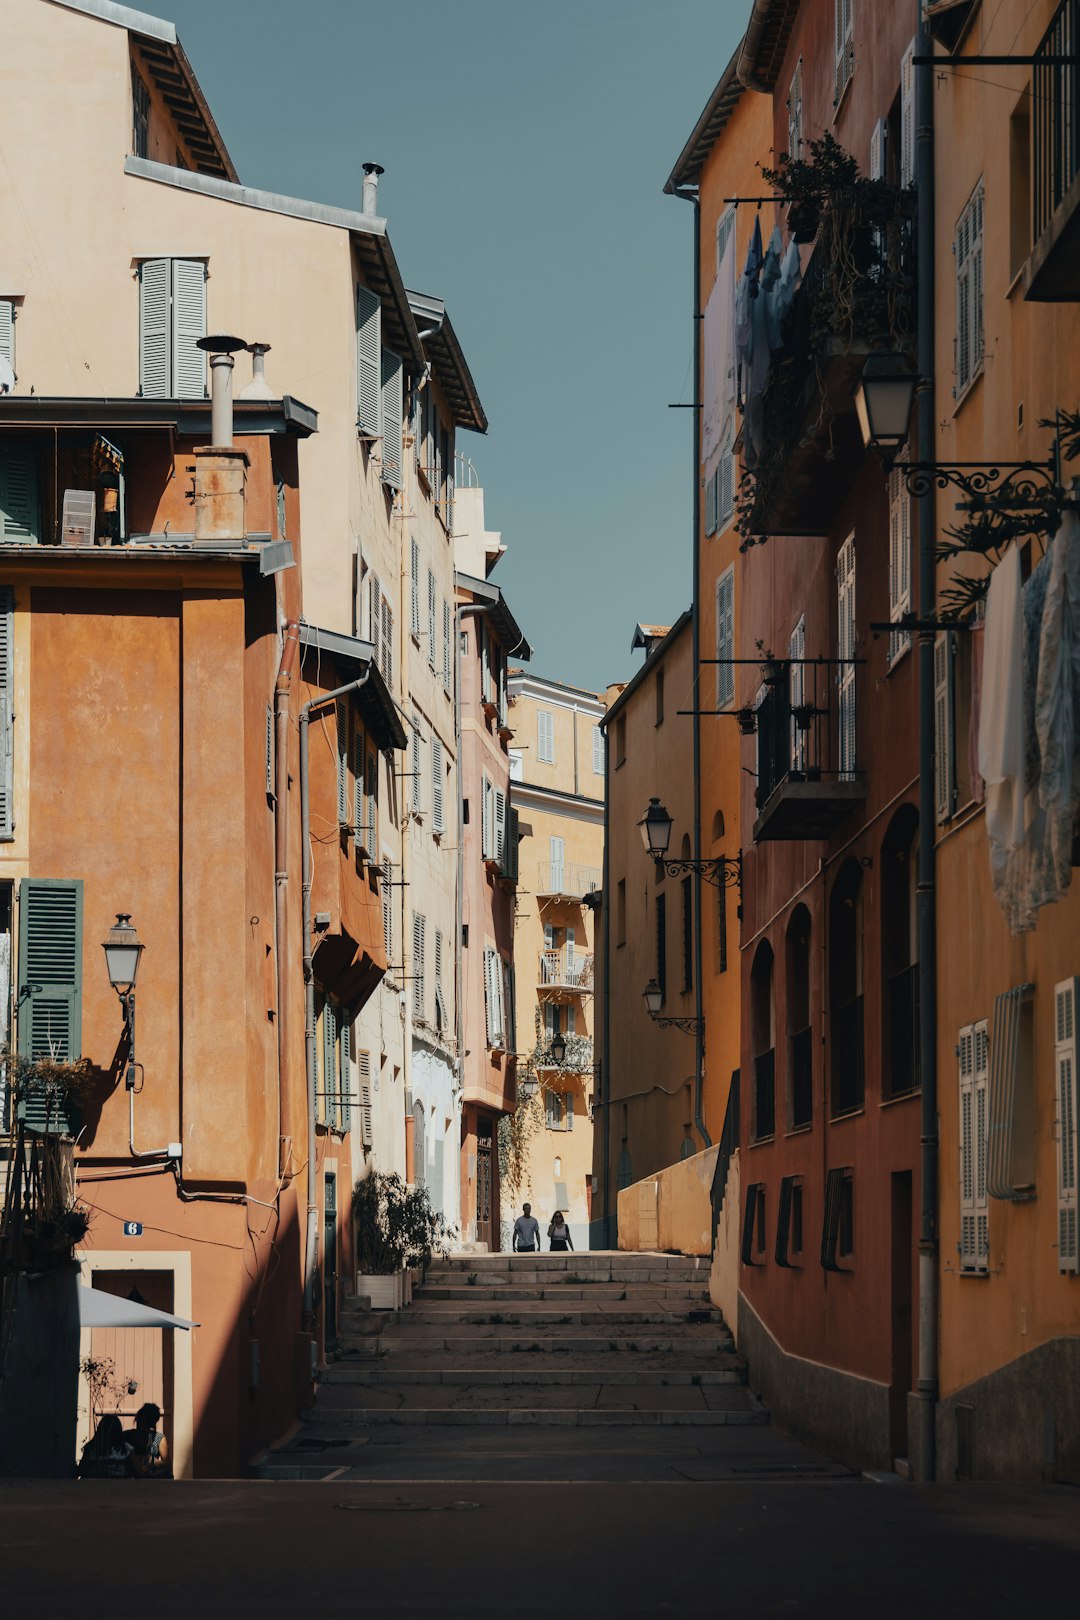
282	687
699	1038
309	989
927	1381
605	1072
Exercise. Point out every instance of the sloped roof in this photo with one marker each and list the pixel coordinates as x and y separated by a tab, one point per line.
718	109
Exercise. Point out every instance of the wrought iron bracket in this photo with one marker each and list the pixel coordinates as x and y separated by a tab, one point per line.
723	871
978	480
689	1026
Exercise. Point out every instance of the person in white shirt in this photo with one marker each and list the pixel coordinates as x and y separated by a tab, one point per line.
526	1231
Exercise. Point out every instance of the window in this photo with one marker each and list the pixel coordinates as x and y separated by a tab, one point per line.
838	1226
620	741
440	1005
844	46
659	685
846	988
513	839
414	768
367	795
598	751
845	652
968	249
438	785
1011	1141
557	857
7	336
899	956
431	617
545	736
559	1110
140	116
392	385
510	1005
369	391
49	1003
172	318
899	560
414	607
1066	997
620	912
795	113
333	1094
753	1232
721	930
800	1048
725	638
20	516
789	1240
419	932
661	944
686	887
487	820
763	1043
447	648
1019	186
974	1049
517	765
944	773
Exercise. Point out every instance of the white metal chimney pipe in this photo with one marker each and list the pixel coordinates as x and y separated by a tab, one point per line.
372	172
221	350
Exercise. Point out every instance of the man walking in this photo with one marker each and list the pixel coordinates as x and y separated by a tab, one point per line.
526	1231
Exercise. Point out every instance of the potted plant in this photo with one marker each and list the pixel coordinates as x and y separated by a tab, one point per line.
396	1227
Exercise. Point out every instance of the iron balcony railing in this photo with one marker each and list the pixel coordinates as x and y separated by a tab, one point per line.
805	725
1056	112
565	970
567	878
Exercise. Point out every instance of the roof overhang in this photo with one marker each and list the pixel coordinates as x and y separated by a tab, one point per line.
719	108
448	361
761	54
354	658
499	615
190	418
651	661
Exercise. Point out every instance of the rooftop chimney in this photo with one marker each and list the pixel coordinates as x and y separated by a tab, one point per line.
221	350
220	466
257	388
372	172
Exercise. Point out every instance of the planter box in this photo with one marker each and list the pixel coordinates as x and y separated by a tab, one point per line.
387	1293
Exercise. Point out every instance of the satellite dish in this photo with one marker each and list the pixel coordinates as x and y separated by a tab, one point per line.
7	376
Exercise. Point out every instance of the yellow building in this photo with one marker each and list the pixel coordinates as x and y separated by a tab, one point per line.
557	786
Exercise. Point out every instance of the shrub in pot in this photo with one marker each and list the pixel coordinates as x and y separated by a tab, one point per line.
396	1227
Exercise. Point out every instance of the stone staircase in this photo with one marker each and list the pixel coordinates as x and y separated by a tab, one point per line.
614	1340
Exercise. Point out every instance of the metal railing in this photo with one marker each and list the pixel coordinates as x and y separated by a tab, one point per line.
568	970
567	878
1056	111
806	726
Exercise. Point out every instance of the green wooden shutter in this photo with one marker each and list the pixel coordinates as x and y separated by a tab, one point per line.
371	801
155	379
368	358
513	836
392	408
188	326
327	1110
414	620
345	1083
50	987
19	522
7	709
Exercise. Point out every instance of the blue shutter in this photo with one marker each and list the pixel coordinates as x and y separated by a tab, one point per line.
368	359
50	988
188	325
392	408
7	711
155	381
18	496
327	1112
345	1084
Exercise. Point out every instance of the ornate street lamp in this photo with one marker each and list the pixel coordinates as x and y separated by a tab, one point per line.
123	952
558	1048
723	871
654	1000
655	827
883	401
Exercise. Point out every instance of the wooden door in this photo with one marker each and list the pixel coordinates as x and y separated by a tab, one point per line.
484	1198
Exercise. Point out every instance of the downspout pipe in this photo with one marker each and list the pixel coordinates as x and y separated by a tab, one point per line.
925	899
605	1072
461	611
695	451
282	690
306	711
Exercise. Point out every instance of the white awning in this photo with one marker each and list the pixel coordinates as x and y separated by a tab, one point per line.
99	1309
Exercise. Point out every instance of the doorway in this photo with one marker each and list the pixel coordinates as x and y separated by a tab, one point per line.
902	1293
330	1256
483	1183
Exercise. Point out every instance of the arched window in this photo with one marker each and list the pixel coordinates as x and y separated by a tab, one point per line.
846	989
899	956
763	1043
800	1041
718	826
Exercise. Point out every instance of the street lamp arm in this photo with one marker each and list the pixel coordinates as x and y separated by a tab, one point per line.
723	871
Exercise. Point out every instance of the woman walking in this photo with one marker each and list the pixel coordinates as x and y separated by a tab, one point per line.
559	1233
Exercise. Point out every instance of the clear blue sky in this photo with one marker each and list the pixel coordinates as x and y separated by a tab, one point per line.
526	146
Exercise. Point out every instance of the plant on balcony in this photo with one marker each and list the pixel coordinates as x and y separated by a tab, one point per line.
49	1086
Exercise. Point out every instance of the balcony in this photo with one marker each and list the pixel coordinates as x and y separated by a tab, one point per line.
567	971
857	296
1052	272
807	777
566	880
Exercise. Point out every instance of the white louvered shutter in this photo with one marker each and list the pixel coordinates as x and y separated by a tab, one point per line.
490	992
375	618
447	646
49	999
7	331
878	141
968	1248
387	895
981	1087
710	504
342	763
448	498
907	116
270	750
419	924
797	688
371	803
500	830
359	789
188	325
368	363
899	560
487	821
414	619
509	1007
7	712
393	406
19	514
943	743
725	637
328	1111
725	480
431	599
846	643
844	37
386	643
1066	1001
557	854
417	787
545	736
968	248
438	779
345	1075
363	1065
155	287
597	751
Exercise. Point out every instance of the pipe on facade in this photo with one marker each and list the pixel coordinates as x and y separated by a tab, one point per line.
925	899
309	986
460	610
605	1056
282	689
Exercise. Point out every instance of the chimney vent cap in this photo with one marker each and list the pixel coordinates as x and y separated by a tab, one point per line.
220	344
373	168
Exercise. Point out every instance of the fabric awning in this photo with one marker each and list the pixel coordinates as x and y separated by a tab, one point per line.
99	1309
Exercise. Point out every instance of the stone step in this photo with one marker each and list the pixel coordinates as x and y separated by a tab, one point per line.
393	1373
547	1343
521	1314
666	1294
581	1265
335	1399
589	1417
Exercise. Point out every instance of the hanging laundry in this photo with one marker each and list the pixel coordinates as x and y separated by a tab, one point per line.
770	268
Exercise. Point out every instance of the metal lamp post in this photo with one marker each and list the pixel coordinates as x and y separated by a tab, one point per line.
654	1000
722	871
123	952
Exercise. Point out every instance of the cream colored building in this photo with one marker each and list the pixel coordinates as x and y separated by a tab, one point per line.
557	790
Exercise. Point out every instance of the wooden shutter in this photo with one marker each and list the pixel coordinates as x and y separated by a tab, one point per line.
375	618
342	713
844	37
907	116
846	645
431	617
50	987
943	740
899	559
797	689
545	736
981	1087
326	1112
368	364
447	633
393	407
438	779
1066	997
417	787
794	112
155	372
513	836
878	139
710	504
419	925
597	751
725	637
7	331
371	804
19	520
363	1065
414	621
386	643
188	325
345	1074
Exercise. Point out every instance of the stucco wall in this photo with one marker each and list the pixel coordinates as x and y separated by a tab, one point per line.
671	1210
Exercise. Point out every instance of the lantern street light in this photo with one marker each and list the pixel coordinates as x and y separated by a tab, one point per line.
655	827
883	401
723	871
558	1048
123	952
654	1000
